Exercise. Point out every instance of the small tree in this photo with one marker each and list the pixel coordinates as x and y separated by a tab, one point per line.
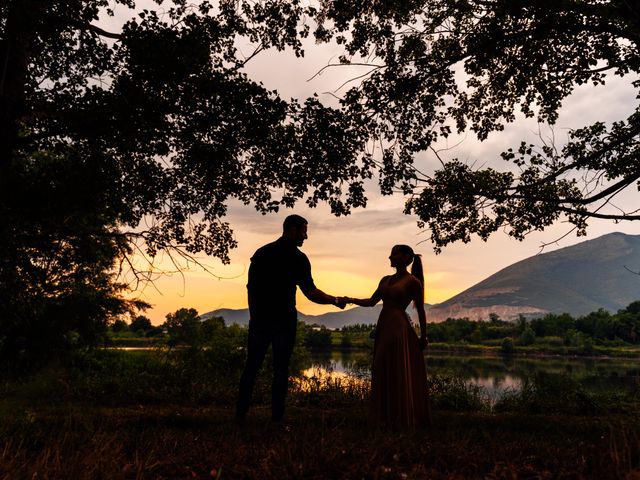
588	346
140	324
318	337
527	337
210	327
119	325
184	326
507	345
521	324
345	341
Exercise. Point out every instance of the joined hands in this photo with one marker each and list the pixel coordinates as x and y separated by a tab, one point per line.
341	302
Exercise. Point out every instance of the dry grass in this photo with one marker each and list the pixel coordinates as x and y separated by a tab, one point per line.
83	442
134	417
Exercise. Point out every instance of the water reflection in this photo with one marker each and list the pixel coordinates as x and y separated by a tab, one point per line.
495	374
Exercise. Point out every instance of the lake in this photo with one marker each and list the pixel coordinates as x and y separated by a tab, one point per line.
495	374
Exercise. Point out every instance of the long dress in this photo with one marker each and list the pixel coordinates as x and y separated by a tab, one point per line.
399	397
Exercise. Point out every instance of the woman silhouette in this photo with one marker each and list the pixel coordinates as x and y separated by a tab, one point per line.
398	374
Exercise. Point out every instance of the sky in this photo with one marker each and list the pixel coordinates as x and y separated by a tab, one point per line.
349	254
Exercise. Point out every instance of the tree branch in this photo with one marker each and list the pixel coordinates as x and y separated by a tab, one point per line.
104	33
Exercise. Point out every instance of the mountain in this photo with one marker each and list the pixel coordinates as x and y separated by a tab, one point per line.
578	279
329	320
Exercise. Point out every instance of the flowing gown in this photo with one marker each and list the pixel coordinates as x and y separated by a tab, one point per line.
399	395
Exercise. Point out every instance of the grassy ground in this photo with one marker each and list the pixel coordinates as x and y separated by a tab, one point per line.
138	415
176	441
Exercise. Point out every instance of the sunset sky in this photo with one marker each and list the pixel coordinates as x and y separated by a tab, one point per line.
349	254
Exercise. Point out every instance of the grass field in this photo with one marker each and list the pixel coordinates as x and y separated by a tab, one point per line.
159	415
79	441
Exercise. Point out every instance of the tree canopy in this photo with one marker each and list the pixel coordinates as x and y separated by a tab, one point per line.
134	140
441	66
115	142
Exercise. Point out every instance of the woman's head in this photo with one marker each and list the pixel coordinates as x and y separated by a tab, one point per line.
402	256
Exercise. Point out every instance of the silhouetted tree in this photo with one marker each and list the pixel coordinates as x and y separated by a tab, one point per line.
633	308
507	346
156	122
140	324
525	56
184	326
317	336
527	337
119	325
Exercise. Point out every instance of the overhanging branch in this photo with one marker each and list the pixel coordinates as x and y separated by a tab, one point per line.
104	33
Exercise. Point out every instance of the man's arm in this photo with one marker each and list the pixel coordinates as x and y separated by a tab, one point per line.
318	296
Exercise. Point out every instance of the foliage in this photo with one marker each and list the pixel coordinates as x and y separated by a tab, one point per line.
345	340
140	324
134	140
184	326
457	329
584	333
507	345
553	393
527	337
174	128
452	393
119	326
441	66
316	336
358	328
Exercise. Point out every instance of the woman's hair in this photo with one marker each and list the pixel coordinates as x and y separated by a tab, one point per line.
416	267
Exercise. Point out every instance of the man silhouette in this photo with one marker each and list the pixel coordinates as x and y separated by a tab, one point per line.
275	271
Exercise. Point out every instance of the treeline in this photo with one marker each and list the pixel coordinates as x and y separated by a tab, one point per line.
599	328
596	328
185	328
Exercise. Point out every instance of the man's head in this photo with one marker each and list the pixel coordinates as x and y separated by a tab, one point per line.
294	228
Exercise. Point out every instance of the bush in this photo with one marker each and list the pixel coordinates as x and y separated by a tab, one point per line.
317	337
527	337
507	345
345	341
560	394
140	324
452	393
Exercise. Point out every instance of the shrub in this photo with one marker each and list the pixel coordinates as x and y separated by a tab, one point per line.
507	345
527	337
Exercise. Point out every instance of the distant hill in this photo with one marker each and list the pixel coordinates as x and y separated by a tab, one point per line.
577	280
329	320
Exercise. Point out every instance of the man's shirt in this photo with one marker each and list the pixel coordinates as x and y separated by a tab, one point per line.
275	271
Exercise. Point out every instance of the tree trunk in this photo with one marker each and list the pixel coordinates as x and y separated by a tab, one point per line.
22	20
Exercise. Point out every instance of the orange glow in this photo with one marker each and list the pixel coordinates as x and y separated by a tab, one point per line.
205	293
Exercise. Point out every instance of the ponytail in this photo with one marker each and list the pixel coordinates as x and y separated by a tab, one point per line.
416	268
418	272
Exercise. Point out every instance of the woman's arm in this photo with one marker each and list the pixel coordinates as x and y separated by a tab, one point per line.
364	302
418	299
367	302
